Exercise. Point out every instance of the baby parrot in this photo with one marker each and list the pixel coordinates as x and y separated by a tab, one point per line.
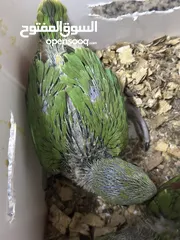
78	118
162	221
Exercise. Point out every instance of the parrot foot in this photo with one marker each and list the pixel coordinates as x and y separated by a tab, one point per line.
134	115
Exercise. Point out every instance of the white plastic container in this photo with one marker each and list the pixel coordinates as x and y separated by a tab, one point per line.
25	180
27	221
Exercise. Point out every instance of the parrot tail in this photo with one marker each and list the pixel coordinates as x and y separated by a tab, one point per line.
51	13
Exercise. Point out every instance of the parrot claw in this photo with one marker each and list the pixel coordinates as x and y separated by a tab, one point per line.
140	125
146	146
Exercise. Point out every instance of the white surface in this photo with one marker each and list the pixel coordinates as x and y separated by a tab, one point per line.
16	59
14	62
30	209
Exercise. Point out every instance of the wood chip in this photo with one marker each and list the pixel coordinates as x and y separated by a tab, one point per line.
176	123
164	107
140	72
131	209
59	220
151	102
102	231
77	225
125	55
93	220
174	150
138	101
99	54
161	146
116	219
168	95
66	194
155	161
158	121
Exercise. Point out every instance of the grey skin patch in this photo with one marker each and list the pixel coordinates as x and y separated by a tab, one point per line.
119	8
93	93
45	106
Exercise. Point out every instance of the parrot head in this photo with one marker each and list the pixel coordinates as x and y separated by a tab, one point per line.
119	182
48	14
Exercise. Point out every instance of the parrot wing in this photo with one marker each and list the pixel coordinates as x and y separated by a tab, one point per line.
75	111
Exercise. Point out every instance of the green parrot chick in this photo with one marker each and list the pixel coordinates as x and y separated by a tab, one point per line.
78	120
